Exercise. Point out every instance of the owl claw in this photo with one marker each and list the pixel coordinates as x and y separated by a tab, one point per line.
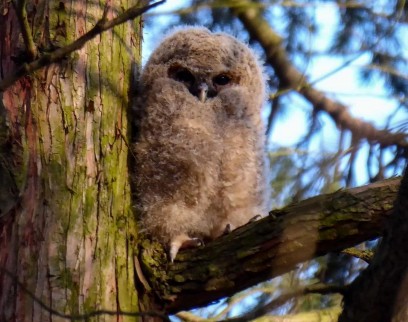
183	241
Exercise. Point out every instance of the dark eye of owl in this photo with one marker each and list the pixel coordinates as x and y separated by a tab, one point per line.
222	80
184	76
181	74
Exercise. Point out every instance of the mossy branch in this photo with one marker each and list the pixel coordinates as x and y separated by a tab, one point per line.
365	255
269	247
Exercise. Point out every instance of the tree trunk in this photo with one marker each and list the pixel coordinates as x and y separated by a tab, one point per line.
66	228
379	293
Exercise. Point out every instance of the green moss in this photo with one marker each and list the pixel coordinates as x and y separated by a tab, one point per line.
335	217
179	278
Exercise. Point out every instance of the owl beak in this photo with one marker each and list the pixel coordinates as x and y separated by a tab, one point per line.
202	92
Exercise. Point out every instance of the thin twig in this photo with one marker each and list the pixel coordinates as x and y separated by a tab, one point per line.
365	255
61	53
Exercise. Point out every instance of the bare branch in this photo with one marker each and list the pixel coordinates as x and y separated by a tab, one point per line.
61	53
291	78
365	255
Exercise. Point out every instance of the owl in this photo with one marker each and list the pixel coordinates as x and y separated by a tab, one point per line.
200	152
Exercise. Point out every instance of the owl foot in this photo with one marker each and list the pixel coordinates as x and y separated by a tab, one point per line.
183	241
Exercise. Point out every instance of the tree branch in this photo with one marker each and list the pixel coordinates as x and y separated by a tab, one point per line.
61	53
365	255
291	78
267	248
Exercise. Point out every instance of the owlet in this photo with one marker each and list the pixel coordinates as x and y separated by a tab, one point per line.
200	158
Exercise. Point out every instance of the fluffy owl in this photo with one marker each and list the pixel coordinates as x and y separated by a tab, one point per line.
200	159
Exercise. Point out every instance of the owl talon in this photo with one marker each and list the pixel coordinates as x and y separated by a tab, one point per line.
181	242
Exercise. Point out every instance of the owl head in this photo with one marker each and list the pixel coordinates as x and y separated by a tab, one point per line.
205	63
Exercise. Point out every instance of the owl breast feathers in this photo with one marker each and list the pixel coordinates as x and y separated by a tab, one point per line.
200	159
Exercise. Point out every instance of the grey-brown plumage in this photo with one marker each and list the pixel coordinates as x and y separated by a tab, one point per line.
200	162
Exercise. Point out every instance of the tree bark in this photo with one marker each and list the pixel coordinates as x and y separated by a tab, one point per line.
66	228
267	248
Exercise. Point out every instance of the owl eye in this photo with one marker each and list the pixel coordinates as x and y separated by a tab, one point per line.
222	80
181	74
184	76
